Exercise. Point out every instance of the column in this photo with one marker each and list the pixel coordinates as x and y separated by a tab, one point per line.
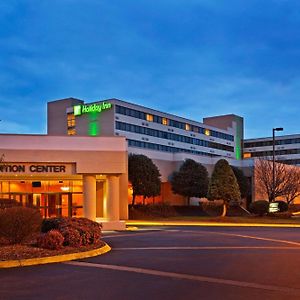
123	196
89	196
112	208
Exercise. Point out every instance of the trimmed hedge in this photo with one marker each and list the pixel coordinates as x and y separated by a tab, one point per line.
76	231
282	205
19	223
259	207
52	240
151	210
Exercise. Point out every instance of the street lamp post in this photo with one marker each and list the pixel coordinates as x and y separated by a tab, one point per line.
273	144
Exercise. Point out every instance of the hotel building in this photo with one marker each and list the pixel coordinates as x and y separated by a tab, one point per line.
165	138
80	167
287	148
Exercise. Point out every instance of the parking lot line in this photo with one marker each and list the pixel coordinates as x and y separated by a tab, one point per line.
246	236
209	248
243	284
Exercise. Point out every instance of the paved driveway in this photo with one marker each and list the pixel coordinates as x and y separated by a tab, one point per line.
172	263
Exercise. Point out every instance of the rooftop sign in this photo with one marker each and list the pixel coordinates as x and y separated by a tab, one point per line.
92	108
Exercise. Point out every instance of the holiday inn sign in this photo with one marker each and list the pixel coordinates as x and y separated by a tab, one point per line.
91	108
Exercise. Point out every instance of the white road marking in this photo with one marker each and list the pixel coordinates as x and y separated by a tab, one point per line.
243	284
131	234
245	236
209	248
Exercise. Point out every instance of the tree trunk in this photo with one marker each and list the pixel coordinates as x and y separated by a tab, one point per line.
224	209
133	199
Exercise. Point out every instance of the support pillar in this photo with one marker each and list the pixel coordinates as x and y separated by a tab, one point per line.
112	210
89	196
123	197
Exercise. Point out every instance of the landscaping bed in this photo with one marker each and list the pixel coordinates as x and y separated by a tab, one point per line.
24	235
17	252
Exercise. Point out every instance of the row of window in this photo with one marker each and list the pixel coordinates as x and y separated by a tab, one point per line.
277	152
291	161
270	143
158	147
171	136
172	123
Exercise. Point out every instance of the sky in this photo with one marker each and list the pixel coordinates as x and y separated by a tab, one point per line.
192	58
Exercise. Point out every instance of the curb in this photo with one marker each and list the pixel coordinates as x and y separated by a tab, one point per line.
207	224
54	259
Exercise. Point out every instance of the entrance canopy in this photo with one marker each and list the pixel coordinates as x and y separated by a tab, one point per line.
67	175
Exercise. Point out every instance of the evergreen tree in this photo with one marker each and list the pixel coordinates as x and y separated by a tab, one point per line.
144	177
191	180
242	181
223	184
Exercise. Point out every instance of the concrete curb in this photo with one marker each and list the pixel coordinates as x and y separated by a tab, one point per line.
54	259
207	224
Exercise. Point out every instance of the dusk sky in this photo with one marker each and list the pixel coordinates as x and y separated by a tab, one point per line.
192	58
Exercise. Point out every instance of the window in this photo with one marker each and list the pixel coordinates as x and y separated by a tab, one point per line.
71	124
165	121
149	118
247	155
71	120
187	127
207	132
71	131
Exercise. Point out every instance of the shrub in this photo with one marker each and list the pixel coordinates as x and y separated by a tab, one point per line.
53	223
89	231
163	210
71	236
19	223
52	240
282	205
259	207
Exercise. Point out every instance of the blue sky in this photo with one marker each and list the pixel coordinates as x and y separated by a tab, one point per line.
193	58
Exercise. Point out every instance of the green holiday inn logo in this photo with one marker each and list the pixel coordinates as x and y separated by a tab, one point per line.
92	108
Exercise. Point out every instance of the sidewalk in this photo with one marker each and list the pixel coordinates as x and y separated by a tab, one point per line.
214	224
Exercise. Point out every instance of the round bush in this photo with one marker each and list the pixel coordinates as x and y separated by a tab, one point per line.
52	240
19	223
259	207
71	237
282	205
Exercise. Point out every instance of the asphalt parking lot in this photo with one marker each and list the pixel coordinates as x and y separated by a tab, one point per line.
172	263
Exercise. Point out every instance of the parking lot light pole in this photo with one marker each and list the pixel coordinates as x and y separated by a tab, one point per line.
273	144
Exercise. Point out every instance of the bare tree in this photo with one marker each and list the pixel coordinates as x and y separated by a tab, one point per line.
292	184
286	183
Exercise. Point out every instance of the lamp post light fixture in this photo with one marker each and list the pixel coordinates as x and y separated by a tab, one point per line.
273	144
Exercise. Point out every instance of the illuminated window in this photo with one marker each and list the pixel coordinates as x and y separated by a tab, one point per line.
247	155
71	124
207	132
187	127
149	118
71	120
164	121
71	131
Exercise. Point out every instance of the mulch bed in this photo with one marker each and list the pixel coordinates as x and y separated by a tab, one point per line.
24	251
